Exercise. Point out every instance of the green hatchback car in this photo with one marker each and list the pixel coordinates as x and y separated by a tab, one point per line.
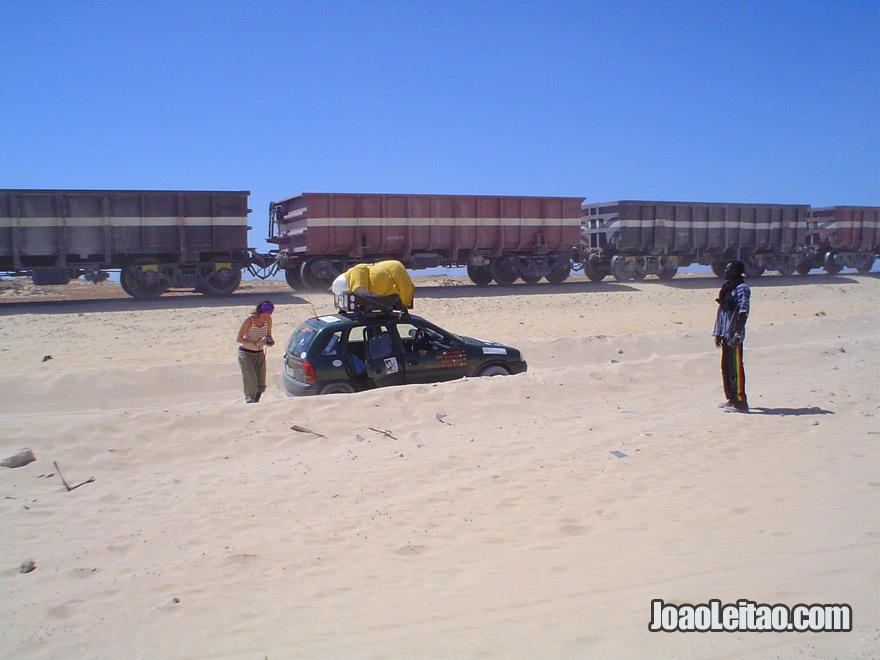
348	352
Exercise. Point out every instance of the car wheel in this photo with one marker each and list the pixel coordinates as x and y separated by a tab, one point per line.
337	388
493	370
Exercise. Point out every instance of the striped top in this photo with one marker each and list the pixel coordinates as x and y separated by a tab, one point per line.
256	332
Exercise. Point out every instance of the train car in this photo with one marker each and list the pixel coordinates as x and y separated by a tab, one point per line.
157	239
842	236
632	239
500	238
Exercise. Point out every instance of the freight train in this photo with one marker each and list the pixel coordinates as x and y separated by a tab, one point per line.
198	240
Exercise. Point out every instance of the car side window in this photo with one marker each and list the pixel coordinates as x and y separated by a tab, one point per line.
419	338
380	343
333	345
407	333
355	350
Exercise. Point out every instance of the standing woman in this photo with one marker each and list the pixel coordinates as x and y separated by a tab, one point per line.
254	334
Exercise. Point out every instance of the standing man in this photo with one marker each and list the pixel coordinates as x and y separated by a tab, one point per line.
729	333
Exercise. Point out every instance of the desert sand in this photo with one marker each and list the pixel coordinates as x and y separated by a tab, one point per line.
538	516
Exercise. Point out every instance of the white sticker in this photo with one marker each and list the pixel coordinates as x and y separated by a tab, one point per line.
488	350
328	319
303	355
337	363
391	365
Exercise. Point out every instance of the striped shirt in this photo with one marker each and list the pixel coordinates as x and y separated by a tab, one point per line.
256	332
737	302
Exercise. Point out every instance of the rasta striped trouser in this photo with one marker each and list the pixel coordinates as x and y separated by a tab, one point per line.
733	373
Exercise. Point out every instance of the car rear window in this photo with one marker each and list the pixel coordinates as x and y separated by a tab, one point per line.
301	339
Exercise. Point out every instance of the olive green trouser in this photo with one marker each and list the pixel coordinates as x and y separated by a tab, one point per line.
253	373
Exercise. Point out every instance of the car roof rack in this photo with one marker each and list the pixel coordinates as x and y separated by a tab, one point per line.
360	306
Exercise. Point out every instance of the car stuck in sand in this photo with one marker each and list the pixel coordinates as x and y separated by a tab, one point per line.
350	352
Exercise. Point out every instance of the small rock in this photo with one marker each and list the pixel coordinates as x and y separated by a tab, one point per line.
19	458
46	358
27	566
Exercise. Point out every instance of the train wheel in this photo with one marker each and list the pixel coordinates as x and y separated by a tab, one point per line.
503	271
667	272
141	279
225	279
803	268
752	268
718	267
560	272
317	274
294	281
621	274
831	266
639	273
593	272
480	275
530	279
867	265
788	269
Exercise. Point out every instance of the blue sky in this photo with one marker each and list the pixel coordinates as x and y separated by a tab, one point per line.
745	101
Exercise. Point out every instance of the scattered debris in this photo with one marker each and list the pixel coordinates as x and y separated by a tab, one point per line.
303	429
387	434
67	485
19	458
46	358
27	566
619	454
441	418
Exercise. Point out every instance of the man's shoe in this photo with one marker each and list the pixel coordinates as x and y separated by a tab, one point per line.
726	404
737	408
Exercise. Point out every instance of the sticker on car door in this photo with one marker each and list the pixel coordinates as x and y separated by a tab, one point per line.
391	365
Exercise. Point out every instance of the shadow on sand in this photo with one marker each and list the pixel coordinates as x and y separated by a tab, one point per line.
814	410
165	302
758	282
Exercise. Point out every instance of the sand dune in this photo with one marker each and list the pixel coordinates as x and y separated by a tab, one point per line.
530	516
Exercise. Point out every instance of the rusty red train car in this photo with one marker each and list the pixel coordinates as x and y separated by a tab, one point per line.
500	238
842	236
157	239
631	239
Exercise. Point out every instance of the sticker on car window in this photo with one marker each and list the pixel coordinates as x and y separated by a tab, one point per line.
337	363
303	355
391	365
489	350
328	319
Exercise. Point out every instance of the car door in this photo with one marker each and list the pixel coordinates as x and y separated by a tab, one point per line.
384	363
430	355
